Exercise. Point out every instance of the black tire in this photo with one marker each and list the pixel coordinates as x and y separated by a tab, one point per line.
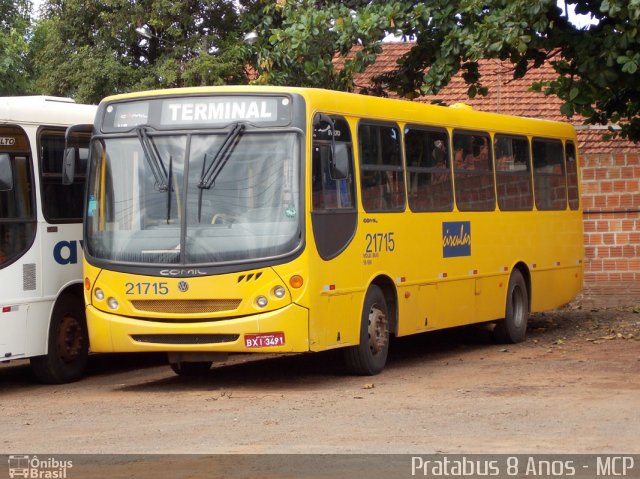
370	356
191	369
513	328
68	351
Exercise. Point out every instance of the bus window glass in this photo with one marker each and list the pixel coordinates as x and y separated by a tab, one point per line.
549	182
248	211
130	216
382	175
252	210
428	170
329	192
6	173
572	175
60	202
473	171
17	222
513	173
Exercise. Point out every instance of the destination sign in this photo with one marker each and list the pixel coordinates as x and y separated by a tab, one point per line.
199	112
209	110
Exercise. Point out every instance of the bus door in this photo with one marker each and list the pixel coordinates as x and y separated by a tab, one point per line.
334	220
18	259
62	208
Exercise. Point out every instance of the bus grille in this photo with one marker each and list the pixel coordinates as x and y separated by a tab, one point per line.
185	338
185	306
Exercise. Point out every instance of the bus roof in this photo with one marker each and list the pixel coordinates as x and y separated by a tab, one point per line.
459	116
48	110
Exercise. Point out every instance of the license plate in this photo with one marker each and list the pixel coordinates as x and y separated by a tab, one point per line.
266	340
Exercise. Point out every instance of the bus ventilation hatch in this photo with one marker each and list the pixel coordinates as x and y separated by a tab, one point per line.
29	277
249	277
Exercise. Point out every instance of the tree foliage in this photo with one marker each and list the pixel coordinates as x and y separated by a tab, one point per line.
301	40
597	67
15	72
88	50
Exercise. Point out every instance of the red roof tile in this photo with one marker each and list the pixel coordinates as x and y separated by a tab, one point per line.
506	95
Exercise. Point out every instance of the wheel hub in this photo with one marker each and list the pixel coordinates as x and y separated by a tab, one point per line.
377	329
69	339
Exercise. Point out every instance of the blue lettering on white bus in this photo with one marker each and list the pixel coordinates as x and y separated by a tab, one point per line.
66	252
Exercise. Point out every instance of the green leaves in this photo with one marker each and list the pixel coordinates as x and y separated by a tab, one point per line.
629	62
193	43
90	49
15	67
305	42
597	67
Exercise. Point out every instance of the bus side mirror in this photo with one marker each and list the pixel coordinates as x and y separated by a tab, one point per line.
6	173
69	166
76	137
339	162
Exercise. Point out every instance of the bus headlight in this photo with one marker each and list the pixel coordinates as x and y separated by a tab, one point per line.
99	294
279	292
113	303
262	301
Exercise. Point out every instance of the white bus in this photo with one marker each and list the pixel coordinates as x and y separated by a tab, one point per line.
41	303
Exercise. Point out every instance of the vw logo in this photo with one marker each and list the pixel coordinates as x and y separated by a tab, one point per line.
183	286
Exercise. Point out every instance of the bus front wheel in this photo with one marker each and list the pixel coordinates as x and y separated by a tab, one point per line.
370	356
513	328
68	344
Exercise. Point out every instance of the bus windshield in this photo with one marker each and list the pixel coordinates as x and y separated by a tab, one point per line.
200	199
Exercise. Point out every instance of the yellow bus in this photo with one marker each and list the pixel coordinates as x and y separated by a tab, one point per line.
266	219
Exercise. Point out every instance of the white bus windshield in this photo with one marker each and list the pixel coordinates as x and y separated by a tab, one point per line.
248	211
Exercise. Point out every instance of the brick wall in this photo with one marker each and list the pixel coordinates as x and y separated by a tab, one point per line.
611	202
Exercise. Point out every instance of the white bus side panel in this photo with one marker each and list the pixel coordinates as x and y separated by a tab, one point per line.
21	285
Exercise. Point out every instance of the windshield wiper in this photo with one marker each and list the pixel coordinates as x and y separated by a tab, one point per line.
221	157
210	173
153	159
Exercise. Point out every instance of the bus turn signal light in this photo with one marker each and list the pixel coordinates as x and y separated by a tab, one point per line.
296	281
87	283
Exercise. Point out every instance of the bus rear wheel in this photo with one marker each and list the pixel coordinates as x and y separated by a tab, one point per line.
370	356
191	369
68	344
513	328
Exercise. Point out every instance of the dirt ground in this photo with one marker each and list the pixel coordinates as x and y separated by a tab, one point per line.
572	387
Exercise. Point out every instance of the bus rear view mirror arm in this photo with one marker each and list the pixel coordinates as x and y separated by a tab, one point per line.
69	166
76	137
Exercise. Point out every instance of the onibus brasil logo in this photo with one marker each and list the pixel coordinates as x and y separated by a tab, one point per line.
33	467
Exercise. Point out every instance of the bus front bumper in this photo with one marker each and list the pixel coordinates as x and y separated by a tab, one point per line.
282	330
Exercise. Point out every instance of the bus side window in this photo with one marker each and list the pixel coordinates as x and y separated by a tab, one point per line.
549	181
16	204
329	190
381	168
428	169
513	173
572	175
60	203
473	172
